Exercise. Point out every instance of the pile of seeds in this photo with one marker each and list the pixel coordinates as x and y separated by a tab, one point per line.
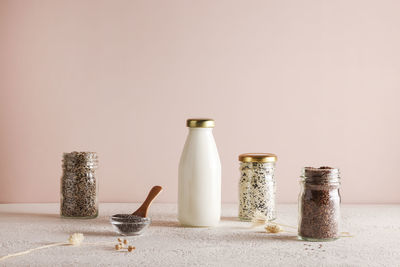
257	190
129	224
79	185
320	204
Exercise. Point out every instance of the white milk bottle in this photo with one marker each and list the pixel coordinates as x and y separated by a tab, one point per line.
199	187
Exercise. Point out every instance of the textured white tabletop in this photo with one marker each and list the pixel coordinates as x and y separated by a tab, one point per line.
376	241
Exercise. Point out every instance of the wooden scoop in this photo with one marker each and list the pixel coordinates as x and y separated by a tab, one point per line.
142	210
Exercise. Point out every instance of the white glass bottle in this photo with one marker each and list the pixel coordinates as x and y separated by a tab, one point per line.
199	192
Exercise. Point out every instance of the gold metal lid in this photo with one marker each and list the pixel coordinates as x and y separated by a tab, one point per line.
258	157
200	123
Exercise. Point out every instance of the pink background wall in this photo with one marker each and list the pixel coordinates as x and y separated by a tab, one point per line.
316	82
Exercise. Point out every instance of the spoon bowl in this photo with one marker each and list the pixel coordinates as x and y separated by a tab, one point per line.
137	222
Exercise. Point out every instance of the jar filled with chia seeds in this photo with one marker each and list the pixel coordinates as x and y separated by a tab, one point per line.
79	185
319	204
257	187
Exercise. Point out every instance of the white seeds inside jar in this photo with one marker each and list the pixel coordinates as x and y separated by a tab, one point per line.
257	190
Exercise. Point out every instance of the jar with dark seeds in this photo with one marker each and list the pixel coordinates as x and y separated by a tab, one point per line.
257	187
319	204
79	185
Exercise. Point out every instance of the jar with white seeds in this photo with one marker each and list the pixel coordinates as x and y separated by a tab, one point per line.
257	187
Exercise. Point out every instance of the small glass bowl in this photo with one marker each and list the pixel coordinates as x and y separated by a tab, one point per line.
128	224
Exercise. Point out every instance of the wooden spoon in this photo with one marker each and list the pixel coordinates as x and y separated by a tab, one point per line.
142	210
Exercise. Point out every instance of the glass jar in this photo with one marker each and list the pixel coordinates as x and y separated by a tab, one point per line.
79	185
319	204
257	187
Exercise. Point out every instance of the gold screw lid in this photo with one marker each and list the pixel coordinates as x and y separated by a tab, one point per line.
258	157
200	123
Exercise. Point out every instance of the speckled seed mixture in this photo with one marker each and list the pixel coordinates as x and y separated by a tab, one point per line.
79	185
257	190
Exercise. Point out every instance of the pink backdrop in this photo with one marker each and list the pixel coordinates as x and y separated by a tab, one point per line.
316	82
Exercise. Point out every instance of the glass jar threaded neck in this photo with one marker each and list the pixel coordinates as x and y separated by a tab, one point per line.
321	175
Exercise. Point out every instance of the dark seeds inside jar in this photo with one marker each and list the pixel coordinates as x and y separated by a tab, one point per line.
79	185
320	215
320	205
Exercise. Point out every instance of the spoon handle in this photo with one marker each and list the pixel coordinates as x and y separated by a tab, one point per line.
142	210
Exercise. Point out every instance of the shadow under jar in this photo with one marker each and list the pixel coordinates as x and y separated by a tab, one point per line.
319	204
79	185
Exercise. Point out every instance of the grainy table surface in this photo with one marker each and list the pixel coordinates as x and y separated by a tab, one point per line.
376	241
